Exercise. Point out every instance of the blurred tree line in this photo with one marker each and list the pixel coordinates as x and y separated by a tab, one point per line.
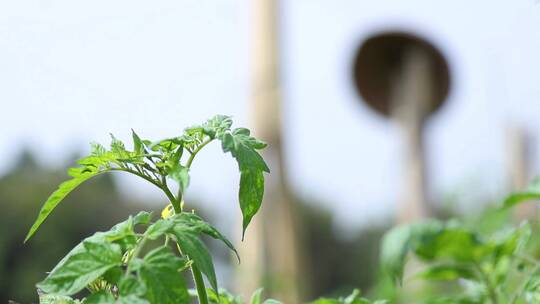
22	191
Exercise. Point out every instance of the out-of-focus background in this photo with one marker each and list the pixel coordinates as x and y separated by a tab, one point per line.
72	72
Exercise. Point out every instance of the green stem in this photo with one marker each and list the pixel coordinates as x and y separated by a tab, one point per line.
491	290
177	204
199	148
197	275
199	283
155	183
135	254
523	287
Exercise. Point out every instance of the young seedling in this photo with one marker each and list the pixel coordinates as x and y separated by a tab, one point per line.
111	264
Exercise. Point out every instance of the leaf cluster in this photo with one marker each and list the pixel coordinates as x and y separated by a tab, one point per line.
110	265
495	268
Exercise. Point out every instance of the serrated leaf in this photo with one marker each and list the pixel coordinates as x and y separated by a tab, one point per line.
82	268
160	272
138	145
96	149
118	148
115	234
129	285
159	228
217	125
57	196
56	299
196	223
142	218
194	248
243	148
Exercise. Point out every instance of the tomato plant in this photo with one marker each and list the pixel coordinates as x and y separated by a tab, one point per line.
499	267
110	264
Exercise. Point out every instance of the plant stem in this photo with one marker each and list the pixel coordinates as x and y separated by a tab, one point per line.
523	287
199	148
197	275
135	254
491	290
199	283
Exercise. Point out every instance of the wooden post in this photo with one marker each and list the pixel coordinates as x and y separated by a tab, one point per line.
270	252
518	153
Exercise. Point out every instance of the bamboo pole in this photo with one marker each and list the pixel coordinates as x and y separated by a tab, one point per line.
270	252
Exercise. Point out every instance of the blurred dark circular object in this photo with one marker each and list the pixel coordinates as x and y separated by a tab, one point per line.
381	57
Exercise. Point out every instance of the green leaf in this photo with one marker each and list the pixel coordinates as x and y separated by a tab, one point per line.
196	223
520	197
194	248
532	193
158	229
113	275
131	299
129	285
448	272
101	297
118	148
455	243
256	297
138	145
160	273
224	297
57	196
97	149
82	268
244	148
217	125
513	241
56	299
180	174
142	218
395	245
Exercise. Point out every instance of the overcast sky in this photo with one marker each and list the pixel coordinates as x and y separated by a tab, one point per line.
73	71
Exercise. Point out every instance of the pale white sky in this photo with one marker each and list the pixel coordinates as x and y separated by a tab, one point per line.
73	71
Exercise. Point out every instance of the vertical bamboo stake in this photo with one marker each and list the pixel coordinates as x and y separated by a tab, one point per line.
518	146
269	253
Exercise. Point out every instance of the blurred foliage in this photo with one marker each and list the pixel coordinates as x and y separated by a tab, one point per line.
337	265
